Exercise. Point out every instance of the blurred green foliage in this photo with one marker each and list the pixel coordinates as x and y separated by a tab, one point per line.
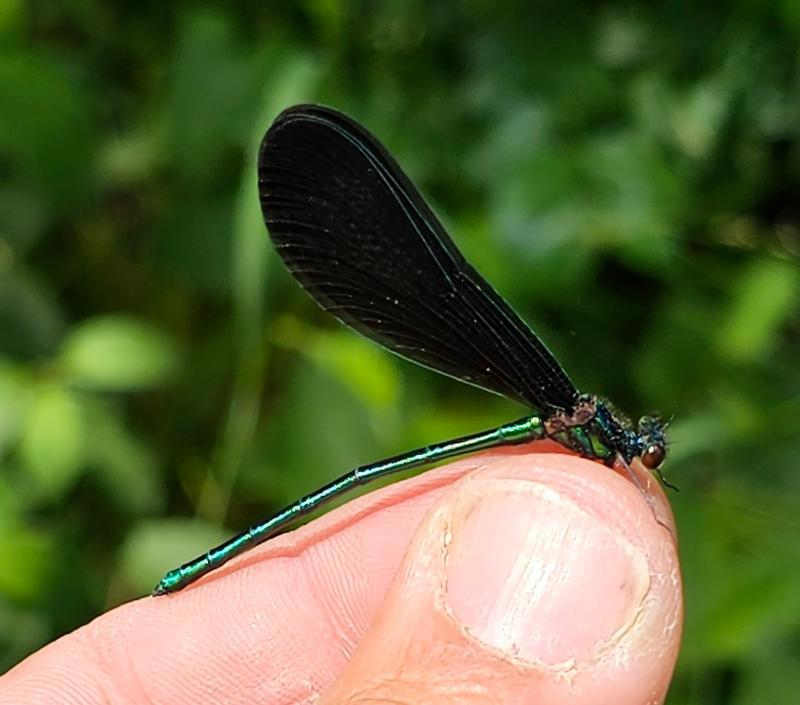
627	174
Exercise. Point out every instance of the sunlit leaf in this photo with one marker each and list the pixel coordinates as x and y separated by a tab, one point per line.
764	298
132	157
117	353
368	372
697	116
11	15
53	439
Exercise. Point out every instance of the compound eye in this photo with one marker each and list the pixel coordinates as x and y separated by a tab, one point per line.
653	456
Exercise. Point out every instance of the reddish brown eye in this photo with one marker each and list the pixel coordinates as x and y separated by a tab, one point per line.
653	456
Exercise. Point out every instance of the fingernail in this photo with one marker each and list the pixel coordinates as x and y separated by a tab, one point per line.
531	573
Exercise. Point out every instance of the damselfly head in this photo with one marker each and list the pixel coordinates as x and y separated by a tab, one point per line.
652	442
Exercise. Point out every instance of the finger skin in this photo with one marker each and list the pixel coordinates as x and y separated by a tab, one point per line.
526	586
279	624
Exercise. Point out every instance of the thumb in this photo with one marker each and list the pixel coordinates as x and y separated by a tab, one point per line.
536	579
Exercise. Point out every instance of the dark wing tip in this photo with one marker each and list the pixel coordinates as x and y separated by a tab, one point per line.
303	113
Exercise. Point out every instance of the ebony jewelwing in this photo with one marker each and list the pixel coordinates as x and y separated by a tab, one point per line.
357	235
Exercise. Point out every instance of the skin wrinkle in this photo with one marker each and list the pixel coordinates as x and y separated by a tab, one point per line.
313	579
454	688
100	686
95	645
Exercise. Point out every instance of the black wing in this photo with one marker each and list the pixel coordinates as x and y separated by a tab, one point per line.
360	239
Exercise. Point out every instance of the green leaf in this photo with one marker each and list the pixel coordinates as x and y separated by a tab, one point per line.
131	157
771	675
23	630
52	446
30	316
26	556
13	403
362	367
23	217
212	93
124	465
11	16
45	127
698	115
764	298
116	353
308	444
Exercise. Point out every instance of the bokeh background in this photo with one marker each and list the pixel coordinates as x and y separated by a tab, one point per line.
627	174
